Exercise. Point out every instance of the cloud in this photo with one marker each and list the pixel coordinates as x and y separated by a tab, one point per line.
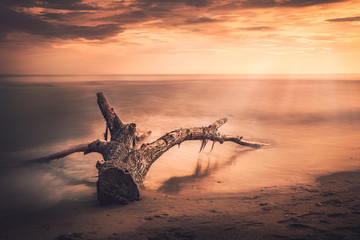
57	17
169	17
200	20
128	17
194	3
61	16
271	3
258	28
306	3
346	19
66	4
51	4
12	21
71	19
259	4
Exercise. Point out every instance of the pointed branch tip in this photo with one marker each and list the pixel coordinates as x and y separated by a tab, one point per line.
112	120
218	124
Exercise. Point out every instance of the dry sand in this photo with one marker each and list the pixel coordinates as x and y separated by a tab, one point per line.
327	209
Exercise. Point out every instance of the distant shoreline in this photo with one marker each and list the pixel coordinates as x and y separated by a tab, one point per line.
226	75
83	78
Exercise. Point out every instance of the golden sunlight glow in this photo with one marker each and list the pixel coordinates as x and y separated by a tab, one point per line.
322	38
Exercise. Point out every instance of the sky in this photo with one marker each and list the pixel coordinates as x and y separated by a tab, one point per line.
179	36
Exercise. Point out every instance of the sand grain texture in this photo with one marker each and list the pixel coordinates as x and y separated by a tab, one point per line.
328	209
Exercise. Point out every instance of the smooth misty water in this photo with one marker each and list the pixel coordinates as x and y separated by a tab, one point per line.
312	125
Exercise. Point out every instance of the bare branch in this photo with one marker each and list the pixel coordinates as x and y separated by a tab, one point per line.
112	120
96	146
149	153
215	126
240	141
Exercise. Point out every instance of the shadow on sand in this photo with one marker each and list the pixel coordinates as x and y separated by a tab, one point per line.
175	184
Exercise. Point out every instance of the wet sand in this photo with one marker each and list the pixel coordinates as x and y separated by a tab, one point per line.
327	209
233	193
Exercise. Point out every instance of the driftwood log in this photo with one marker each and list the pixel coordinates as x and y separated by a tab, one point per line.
123	167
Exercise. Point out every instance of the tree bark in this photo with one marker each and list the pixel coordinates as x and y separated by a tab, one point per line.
124	168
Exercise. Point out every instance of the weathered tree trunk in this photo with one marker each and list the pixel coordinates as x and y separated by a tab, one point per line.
124	168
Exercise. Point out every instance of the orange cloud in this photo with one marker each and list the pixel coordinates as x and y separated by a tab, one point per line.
179	36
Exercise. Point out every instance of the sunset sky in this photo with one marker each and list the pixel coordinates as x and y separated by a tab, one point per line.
179	36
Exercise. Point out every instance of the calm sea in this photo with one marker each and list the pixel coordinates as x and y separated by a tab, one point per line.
312	123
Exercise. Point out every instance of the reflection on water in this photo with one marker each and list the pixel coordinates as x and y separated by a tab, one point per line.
313	126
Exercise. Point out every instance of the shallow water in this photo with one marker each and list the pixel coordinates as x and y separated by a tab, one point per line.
312	125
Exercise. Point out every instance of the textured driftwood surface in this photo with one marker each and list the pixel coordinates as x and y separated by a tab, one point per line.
124	168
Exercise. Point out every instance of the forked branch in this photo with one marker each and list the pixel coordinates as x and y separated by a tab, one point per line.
123	168
144	157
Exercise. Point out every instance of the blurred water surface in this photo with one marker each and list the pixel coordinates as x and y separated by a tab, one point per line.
312	124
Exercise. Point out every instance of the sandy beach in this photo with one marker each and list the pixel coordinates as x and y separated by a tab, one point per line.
305	185
227	119
327	209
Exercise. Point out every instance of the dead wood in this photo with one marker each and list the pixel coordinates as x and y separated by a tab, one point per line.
123	168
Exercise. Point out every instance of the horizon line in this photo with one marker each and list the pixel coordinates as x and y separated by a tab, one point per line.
164	74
